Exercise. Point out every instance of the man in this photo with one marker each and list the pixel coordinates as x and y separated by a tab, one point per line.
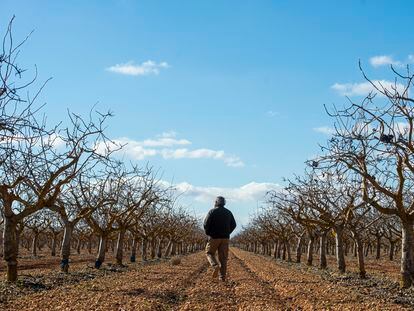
218	225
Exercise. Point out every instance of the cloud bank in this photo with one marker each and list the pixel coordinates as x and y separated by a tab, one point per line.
387	60
364	88
251	192
168	146
383	60
146	68
327	130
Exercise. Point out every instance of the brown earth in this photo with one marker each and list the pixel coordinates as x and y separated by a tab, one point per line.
45	261
254	283
382	267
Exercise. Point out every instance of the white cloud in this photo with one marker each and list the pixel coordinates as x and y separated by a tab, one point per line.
167	146
184	153
233	161
272	113
146	68
166	139
327	130
250	192
192	154
401	127
383	60
130	148
168	134
54	140
164	142
364	88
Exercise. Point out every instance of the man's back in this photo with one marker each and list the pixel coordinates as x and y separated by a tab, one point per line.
219	223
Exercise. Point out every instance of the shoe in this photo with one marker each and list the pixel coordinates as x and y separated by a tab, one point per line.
216	271
222	279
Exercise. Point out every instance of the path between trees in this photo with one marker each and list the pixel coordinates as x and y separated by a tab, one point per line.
254	283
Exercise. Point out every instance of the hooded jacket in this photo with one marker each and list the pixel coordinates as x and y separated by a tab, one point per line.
219	223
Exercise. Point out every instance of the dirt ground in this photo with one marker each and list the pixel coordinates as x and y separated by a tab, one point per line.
44	260
382	267
254	283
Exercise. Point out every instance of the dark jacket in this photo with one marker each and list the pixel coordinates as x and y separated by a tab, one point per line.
219	223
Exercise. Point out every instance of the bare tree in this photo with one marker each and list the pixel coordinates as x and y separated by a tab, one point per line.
35	163
374	139
37	223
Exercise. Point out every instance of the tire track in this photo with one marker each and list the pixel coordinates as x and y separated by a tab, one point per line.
257	290
149	287
244	290
304	290
208	294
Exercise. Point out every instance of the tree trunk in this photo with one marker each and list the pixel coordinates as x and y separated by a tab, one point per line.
153	247
360	251
309	257
284	251
168	248
90	245
407	254
299	248
112	245
144	249
120	246
34	244
279	249
18	234
54	243
340	258
100	258
346	248
159	248
322	251
378	251
355	250
78	246
10	247
289	255
174	249
134	250
65	251
367	249
392	250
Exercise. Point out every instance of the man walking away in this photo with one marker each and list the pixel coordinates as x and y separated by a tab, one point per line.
218	225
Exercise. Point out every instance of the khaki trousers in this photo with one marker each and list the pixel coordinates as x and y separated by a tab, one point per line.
222	246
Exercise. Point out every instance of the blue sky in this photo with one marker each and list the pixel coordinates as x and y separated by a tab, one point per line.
225	96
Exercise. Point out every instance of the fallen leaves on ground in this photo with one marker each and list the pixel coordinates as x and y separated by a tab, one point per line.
254	282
